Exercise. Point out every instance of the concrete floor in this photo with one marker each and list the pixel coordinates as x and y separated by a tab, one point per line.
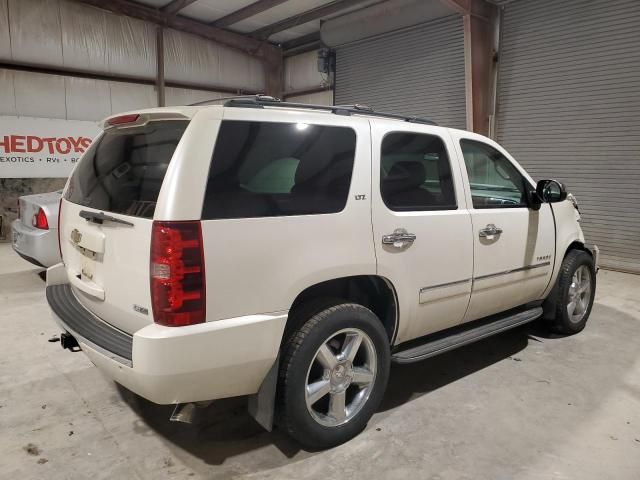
520	405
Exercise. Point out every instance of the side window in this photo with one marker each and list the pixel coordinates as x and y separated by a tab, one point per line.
268	169
494	181
415	174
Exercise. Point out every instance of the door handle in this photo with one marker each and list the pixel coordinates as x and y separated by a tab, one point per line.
399	238
490	230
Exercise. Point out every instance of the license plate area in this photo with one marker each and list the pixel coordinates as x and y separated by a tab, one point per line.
87	270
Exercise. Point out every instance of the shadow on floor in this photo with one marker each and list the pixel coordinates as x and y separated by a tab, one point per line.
219	431
224	429
413	380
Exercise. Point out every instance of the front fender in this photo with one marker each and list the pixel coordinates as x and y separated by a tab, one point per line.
568	233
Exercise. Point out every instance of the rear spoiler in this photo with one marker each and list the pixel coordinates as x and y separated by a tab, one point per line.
134	119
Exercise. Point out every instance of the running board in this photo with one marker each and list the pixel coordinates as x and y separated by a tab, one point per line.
462	335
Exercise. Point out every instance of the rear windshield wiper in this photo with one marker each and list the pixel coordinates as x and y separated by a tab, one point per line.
101	217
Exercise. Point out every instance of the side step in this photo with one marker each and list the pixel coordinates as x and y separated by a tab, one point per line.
441	342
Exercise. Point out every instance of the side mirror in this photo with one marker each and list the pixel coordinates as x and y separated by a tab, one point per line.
551	191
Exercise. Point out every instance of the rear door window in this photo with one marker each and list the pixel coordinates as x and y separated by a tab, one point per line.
267	169
415	174
123	170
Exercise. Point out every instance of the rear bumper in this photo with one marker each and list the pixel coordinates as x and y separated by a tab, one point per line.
82	324
224	358
39	247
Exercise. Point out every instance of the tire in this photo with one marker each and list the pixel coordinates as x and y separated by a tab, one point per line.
576	263
307	359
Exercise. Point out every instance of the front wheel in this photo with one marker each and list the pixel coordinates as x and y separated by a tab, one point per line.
574	293
333	375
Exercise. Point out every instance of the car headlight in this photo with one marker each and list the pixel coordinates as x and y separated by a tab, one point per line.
571	197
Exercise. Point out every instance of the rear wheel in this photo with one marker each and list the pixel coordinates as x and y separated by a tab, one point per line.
574	293
333	375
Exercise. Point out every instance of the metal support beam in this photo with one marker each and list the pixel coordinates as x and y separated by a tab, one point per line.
172	8
303	44
160	65
497	49
461	6
71	72
246	12
274	74
479	35
474	8
304	17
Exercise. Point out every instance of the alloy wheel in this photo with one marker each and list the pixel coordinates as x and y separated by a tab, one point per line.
579	294
341	377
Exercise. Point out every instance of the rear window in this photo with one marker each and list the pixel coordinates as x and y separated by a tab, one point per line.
122	171
263	169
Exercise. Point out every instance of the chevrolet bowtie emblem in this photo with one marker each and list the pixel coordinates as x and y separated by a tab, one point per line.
76	236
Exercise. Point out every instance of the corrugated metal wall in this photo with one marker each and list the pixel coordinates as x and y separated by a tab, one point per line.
61	34
418	71
65	34
301	73
317	98
569	108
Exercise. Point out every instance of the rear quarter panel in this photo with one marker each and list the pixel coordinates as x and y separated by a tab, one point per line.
260	265
184	184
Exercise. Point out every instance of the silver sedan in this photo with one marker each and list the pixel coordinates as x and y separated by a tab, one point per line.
34	233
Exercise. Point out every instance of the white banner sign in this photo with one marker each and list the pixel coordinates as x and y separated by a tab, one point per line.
42	147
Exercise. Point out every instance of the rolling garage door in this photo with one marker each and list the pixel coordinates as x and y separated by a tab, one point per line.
569	108
418	71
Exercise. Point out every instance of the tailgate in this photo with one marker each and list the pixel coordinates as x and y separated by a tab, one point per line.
107	216
108	266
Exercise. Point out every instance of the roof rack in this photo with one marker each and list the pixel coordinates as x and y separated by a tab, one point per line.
261	101
221	99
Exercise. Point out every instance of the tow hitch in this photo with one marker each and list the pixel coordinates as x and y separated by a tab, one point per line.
69	342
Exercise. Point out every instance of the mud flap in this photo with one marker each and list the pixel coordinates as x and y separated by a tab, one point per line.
262	404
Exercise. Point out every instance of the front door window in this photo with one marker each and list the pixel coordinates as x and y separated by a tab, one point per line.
494	181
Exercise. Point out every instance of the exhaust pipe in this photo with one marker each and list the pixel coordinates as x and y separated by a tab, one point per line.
184	412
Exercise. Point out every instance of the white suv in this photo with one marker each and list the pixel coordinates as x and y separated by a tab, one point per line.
292	252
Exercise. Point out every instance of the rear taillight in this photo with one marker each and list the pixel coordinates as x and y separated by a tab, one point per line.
177	273
59	215
39	220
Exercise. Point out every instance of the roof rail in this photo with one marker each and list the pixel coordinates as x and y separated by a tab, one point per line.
221	99
261	101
